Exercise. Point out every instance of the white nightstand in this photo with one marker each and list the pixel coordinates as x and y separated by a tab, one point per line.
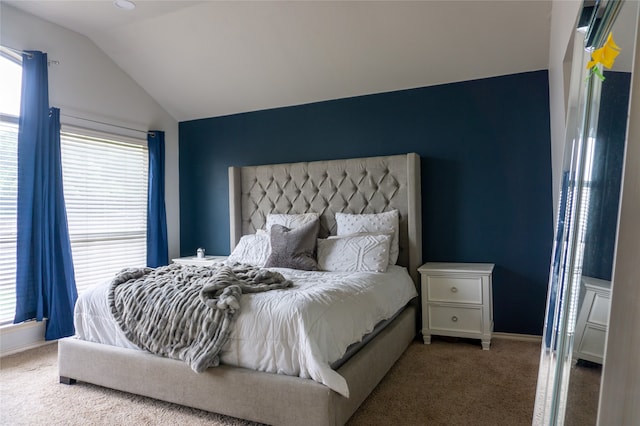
193	260
593	320
457	300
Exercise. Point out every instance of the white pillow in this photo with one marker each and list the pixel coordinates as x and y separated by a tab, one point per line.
387	222
291	221
354	253
252	249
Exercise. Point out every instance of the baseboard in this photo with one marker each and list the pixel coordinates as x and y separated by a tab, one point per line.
20	337
516	336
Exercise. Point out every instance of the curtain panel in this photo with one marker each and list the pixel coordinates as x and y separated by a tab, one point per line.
45	283
157	245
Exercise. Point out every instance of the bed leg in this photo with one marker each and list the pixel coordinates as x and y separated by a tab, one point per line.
67	380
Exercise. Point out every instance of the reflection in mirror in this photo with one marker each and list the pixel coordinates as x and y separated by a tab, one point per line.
600	235
580	274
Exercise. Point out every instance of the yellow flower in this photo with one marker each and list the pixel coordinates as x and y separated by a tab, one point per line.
606	55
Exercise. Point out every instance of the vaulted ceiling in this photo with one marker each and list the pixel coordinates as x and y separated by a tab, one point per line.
211	58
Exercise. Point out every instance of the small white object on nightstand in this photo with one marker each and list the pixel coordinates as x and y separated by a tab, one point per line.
196	261
457	300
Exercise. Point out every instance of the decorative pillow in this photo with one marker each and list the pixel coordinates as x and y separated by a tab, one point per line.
387	222
291	221
252	249
355	253
294	248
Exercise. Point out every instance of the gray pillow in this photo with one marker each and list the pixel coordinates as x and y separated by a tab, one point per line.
294	248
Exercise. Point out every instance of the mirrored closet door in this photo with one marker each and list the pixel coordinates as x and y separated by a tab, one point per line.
576	317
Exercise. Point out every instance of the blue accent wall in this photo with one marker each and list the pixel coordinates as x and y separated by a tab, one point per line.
486	173
608	157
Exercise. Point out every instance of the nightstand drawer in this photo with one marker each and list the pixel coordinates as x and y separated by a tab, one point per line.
593	320
447	318
454	289
600	310
592	342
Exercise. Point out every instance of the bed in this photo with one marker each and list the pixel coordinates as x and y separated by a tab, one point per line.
359	186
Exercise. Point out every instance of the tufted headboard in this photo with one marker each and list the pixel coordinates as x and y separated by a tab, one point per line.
359	185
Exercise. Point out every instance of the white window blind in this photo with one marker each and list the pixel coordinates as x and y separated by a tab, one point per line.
10	88
8	217
105	189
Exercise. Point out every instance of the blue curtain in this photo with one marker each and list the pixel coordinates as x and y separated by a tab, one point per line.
45	283
157	246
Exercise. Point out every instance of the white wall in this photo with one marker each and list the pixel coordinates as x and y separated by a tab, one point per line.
88	84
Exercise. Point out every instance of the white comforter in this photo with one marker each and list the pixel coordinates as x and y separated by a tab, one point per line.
297	332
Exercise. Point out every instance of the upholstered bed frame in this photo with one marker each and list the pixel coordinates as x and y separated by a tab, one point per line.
363	185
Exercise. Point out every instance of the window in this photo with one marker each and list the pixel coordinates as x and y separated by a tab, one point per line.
105	191
10	87
105	188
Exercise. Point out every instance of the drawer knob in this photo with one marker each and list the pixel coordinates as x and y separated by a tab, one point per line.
454	289
454	318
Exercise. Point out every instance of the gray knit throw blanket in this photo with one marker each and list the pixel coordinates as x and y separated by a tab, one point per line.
185	312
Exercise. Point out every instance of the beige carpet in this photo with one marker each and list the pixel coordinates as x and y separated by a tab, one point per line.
450	382
584	391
